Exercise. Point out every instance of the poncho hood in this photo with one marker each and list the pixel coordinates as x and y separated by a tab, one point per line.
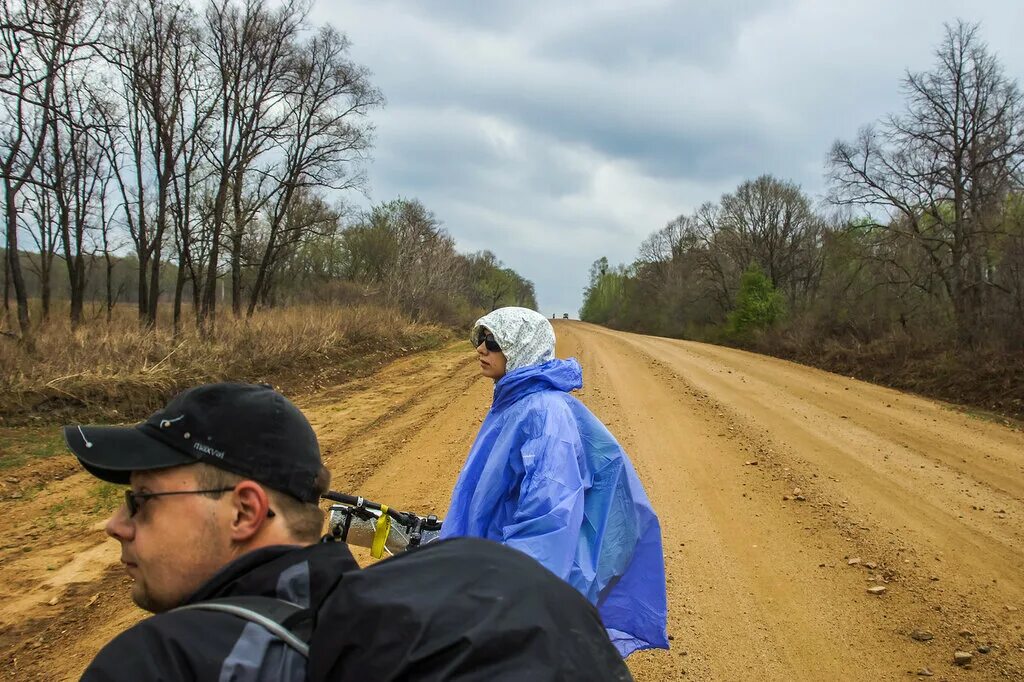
525	336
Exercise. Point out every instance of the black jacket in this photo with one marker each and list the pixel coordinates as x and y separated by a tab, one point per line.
463	609
207	645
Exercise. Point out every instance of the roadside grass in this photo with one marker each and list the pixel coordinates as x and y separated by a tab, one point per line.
985	383
61	507
82	507
19	446
106	497
29	492
121	372
989	416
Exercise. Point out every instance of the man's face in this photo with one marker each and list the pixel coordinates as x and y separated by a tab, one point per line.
174	543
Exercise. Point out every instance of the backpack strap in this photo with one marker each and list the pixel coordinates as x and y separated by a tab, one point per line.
288	622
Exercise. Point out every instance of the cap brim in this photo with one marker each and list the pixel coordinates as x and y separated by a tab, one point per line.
112	453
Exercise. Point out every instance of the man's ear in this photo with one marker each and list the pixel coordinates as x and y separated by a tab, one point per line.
250	512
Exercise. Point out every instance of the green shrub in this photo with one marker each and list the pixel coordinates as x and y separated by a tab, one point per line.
758	305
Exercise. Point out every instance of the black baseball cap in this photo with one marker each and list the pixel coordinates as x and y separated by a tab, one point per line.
247	429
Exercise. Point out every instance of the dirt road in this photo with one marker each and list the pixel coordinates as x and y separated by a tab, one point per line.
784	494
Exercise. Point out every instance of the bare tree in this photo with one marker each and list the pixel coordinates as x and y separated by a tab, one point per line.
662	258
38	40
424	256
107	243
770	222
325	136
721	271
193	130
77	175
7	292
252	48
943	168
308	218
157	58
43	228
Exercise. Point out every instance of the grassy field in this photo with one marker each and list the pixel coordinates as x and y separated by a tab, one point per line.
19	446
119	371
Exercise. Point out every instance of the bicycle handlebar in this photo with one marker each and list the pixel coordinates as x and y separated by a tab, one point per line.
405	518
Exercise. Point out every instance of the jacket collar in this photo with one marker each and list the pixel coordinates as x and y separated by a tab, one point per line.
553	375
259	573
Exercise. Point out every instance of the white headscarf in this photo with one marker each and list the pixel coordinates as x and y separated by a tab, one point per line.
525	336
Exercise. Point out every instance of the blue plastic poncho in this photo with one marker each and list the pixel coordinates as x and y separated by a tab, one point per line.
546	477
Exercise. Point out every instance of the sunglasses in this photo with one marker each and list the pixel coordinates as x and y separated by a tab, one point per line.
133	500
487	339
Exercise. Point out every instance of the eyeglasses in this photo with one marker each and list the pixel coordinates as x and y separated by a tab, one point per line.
133	500
488	339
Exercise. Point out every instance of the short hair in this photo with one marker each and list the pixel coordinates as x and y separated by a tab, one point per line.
305	520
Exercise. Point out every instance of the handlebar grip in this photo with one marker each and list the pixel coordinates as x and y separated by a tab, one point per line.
353	500
345	499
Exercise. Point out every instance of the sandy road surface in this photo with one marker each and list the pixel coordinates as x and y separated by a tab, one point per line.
929	500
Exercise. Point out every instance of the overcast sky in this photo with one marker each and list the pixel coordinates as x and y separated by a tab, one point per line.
554	133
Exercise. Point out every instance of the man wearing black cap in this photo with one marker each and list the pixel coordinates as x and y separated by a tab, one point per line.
223	503
225	485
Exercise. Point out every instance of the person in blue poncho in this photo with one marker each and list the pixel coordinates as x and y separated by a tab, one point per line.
546	477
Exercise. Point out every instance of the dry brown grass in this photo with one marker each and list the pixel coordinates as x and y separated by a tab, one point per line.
990	379
118	371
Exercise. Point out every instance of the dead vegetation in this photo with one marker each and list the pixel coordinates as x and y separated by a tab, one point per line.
991	379
122	371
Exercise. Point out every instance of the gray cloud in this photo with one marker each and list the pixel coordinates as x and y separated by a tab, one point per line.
627	37
556	133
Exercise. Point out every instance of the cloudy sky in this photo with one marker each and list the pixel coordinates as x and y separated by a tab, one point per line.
554	133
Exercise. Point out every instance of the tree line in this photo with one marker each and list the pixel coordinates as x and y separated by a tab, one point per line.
921	232
206	140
